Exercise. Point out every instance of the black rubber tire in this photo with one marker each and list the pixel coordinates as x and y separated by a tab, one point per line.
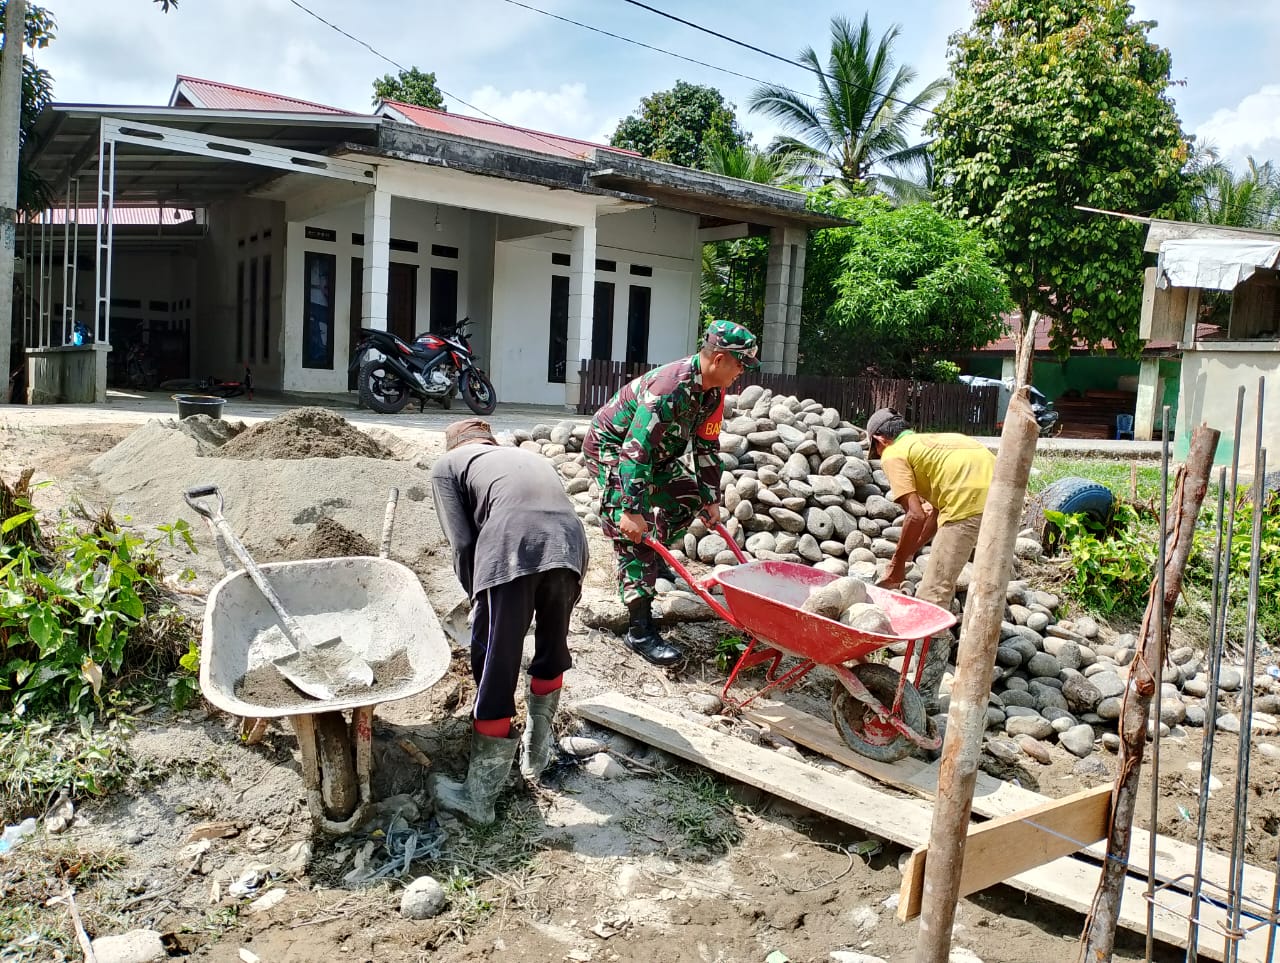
383	404
478	393
339	789
1077	496
849	714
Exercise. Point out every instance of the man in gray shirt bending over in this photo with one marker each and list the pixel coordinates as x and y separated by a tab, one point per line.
520	553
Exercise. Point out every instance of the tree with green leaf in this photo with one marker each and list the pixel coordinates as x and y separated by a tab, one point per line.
902	289
1055	104
411	86
37	93
681	126
858	130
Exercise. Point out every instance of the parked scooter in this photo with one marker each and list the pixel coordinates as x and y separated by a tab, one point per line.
141	372
433	368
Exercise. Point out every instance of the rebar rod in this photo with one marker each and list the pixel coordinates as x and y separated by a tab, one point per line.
1240	815
1213	658
1156	702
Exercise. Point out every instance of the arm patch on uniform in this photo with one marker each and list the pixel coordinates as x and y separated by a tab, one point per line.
709	430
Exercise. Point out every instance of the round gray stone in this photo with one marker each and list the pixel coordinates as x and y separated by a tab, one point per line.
1229	679
1037	727
1078	740
1108	684
1109	708
1043	664
1110	742
808	549
1194	717
1229	722
1008	657
1037	621
422	899
1012	711
1016	697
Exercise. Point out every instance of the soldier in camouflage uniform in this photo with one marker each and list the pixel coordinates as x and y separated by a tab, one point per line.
637	442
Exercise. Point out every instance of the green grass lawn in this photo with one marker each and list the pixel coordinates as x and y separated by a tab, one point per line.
1116	475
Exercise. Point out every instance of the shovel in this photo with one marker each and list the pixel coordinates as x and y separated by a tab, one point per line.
317	670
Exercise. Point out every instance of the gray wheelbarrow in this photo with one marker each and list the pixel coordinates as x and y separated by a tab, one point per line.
378	607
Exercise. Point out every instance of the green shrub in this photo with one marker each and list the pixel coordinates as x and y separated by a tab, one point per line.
1111	563
82	607
1200	569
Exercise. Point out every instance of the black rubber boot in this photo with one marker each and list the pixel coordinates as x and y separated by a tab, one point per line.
643	638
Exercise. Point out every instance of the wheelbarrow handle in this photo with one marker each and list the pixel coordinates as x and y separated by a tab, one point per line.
702	588
194	495
733	545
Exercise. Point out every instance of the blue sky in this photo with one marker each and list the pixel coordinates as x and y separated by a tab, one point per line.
528	69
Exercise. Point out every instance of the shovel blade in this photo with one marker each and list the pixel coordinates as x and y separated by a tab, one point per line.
325	668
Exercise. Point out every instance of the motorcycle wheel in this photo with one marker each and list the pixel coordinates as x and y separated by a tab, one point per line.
380	390
478	393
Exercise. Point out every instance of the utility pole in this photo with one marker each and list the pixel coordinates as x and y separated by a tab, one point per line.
15	18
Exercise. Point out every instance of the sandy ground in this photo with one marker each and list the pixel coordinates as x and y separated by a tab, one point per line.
651	860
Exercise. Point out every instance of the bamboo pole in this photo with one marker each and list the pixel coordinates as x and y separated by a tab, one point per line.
1098	941
971	690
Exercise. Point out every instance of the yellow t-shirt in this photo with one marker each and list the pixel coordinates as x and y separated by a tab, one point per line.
951	472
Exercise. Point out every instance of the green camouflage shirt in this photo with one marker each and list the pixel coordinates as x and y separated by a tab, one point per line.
650	423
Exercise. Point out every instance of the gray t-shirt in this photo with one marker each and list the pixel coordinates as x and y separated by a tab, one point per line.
506	515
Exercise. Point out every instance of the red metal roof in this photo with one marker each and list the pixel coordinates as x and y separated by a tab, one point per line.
498	133
1013	324
212	95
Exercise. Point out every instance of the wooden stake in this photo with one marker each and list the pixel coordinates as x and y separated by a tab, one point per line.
976	656
1098	941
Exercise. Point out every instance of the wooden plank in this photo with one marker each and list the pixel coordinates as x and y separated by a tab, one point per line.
889	817
993	798
1004	847
1067	881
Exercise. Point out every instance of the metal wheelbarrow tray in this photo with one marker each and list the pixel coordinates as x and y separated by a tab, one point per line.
877	711
379	607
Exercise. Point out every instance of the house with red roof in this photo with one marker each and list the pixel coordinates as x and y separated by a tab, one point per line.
232	229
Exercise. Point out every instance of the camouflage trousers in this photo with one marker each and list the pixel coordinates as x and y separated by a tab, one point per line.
674	493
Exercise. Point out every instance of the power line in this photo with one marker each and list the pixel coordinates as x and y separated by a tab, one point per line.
559	149
1052	151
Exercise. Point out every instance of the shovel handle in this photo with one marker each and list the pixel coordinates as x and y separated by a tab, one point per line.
194	497
388	522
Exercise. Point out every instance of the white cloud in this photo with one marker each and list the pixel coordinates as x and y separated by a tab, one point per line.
1252	127
565	110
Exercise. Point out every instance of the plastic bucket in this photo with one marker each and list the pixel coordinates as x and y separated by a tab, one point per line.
189	405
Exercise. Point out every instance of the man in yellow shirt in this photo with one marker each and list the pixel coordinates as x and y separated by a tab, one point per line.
941	480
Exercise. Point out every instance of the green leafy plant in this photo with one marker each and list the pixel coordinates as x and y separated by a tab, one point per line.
728	650
1200	570
83	608
1110	565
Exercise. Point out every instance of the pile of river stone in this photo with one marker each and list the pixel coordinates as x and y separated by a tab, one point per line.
797	485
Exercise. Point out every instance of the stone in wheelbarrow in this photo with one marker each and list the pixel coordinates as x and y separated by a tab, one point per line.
866	617
835	597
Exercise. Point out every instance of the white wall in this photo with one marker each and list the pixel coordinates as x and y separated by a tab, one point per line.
410	221
1211	376
665	241
213	341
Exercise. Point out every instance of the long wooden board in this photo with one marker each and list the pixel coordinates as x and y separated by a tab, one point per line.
1068	882
993	798
1009	845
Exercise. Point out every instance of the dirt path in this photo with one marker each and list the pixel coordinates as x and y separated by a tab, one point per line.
613	860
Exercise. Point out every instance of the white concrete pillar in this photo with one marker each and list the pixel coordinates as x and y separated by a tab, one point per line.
377	260
1149	397
582	299
1008	369
777	303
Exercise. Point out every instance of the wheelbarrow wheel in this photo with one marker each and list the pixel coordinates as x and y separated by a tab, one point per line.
853	718
338	787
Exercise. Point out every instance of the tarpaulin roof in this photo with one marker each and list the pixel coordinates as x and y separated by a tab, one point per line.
1218	263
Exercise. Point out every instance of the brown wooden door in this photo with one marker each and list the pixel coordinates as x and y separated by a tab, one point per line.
402	300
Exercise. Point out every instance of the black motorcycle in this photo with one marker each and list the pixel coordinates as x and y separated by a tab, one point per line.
141	370
434	368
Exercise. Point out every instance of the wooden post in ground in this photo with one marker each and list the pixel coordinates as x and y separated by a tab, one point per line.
976	655
1098	941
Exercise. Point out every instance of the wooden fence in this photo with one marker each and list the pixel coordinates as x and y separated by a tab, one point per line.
927	406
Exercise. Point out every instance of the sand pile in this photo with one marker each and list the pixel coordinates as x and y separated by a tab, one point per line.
329	539
282	508
303	433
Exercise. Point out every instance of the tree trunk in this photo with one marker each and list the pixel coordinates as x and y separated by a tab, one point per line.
1193	480
15	18
976	655
1025	353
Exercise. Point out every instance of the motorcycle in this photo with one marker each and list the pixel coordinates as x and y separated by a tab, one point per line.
140	367
433	368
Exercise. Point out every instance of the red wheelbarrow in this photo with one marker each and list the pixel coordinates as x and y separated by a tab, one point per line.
877	711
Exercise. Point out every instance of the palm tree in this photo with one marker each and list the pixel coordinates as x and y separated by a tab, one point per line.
858	128
1248	199
745	163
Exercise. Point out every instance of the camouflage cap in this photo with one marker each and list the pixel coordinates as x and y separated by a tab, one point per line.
735	339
